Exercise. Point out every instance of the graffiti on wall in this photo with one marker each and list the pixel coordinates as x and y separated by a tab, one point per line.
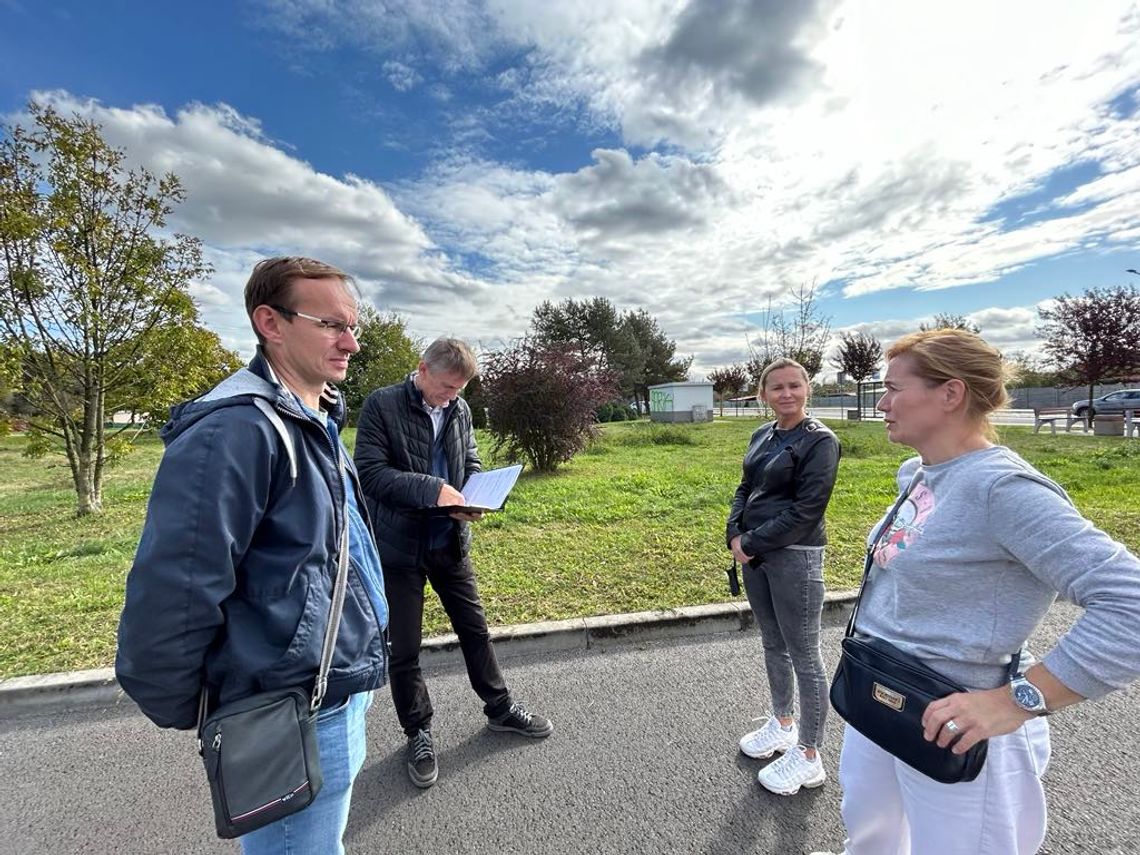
660	401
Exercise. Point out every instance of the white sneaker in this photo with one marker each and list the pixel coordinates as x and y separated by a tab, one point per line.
792	771
769	739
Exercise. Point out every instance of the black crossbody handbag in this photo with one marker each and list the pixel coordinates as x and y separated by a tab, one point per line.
883	692
260	752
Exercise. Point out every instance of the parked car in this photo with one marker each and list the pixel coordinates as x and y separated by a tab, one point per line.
1113	402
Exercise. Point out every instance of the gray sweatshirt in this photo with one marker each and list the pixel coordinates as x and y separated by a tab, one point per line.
973	561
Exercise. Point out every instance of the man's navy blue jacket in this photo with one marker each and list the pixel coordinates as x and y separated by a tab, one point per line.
234	571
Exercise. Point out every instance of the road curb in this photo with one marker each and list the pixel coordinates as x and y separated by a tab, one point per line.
50	693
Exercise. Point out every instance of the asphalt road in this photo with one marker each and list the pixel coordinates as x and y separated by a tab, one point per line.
644	760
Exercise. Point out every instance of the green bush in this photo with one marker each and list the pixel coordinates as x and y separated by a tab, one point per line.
615	411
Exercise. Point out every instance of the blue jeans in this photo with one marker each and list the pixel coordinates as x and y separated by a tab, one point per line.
786	595
320	826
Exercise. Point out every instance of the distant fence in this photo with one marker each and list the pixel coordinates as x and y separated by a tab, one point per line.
1051	396
1020	399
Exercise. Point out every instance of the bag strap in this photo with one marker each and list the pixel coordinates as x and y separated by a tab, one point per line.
279	425
870	558
1015	659
336	608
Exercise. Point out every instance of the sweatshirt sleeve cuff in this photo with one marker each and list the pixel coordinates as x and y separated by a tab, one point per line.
1062	666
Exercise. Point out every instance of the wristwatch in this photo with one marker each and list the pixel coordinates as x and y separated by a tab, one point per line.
1027	696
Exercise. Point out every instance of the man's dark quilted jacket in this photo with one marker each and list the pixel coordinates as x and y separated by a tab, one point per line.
393	457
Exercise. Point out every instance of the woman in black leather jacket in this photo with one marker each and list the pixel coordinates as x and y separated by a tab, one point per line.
775	530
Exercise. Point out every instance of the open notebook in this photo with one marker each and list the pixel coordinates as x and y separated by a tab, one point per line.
484	492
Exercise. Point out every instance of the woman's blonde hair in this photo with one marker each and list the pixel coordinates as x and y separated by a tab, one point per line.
782	362
953	354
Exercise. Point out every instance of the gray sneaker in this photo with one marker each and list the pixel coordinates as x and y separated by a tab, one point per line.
518	720
422	768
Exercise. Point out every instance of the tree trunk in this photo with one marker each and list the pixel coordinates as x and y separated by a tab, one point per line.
87	488
1089	411
85	453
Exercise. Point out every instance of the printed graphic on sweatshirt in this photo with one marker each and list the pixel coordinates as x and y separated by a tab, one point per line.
907	526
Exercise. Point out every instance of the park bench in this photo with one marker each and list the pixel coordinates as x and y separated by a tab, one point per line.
1051	415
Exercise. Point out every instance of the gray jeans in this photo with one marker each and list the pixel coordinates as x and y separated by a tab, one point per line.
786	595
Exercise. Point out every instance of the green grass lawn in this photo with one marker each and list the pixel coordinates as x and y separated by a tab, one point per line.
634	523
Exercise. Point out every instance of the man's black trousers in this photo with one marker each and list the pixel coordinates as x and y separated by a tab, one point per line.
453	579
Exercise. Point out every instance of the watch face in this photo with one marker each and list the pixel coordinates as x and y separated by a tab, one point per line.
1026	696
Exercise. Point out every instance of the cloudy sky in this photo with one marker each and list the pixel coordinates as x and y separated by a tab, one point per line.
698	158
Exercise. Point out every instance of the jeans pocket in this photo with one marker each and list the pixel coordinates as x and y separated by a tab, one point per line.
325	714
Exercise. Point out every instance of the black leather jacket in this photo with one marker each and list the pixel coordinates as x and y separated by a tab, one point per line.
784	492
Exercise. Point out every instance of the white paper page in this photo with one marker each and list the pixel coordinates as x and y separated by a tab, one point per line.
490	489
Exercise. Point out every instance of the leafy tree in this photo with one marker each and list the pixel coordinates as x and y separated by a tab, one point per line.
615	411
151	386
754	367
950	321
594	328
477	400
91	293
387	355
1094	337
729	382
591	325
631	344
859	355
658	362
541	400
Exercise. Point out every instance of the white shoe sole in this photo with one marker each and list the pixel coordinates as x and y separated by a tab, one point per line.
771	753
811	785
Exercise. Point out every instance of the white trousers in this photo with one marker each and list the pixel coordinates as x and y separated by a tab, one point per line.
890	809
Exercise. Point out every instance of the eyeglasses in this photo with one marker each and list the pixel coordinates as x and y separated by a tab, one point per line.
338	328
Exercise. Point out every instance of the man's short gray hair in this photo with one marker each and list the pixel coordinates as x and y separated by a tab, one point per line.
451	356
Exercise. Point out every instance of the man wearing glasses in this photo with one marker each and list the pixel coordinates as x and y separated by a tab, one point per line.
231	584
415	448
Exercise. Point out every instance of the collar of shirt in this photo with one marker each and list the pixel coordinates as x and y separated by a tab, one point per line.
436	415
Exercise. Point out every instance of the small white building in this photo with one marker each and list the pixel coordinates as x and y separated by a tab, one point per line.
681	402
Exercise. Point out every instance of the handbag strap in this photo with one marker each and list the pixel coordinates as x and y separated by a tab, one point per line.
336	608
870	557
1015	659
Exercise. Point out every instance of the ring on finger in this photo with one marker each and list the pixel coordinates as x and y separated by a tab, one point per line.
952	726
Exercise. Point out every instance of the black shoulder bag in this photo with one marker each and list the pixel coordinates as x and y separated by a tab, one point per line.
883	692
260	752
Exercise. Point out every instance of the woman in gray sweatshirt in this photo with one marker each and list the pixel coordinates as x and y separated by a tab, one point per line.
979	551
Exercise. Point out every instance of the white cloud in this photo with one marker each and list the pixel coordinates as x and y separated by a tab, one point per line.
401	76
866	142
863	141
247	198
